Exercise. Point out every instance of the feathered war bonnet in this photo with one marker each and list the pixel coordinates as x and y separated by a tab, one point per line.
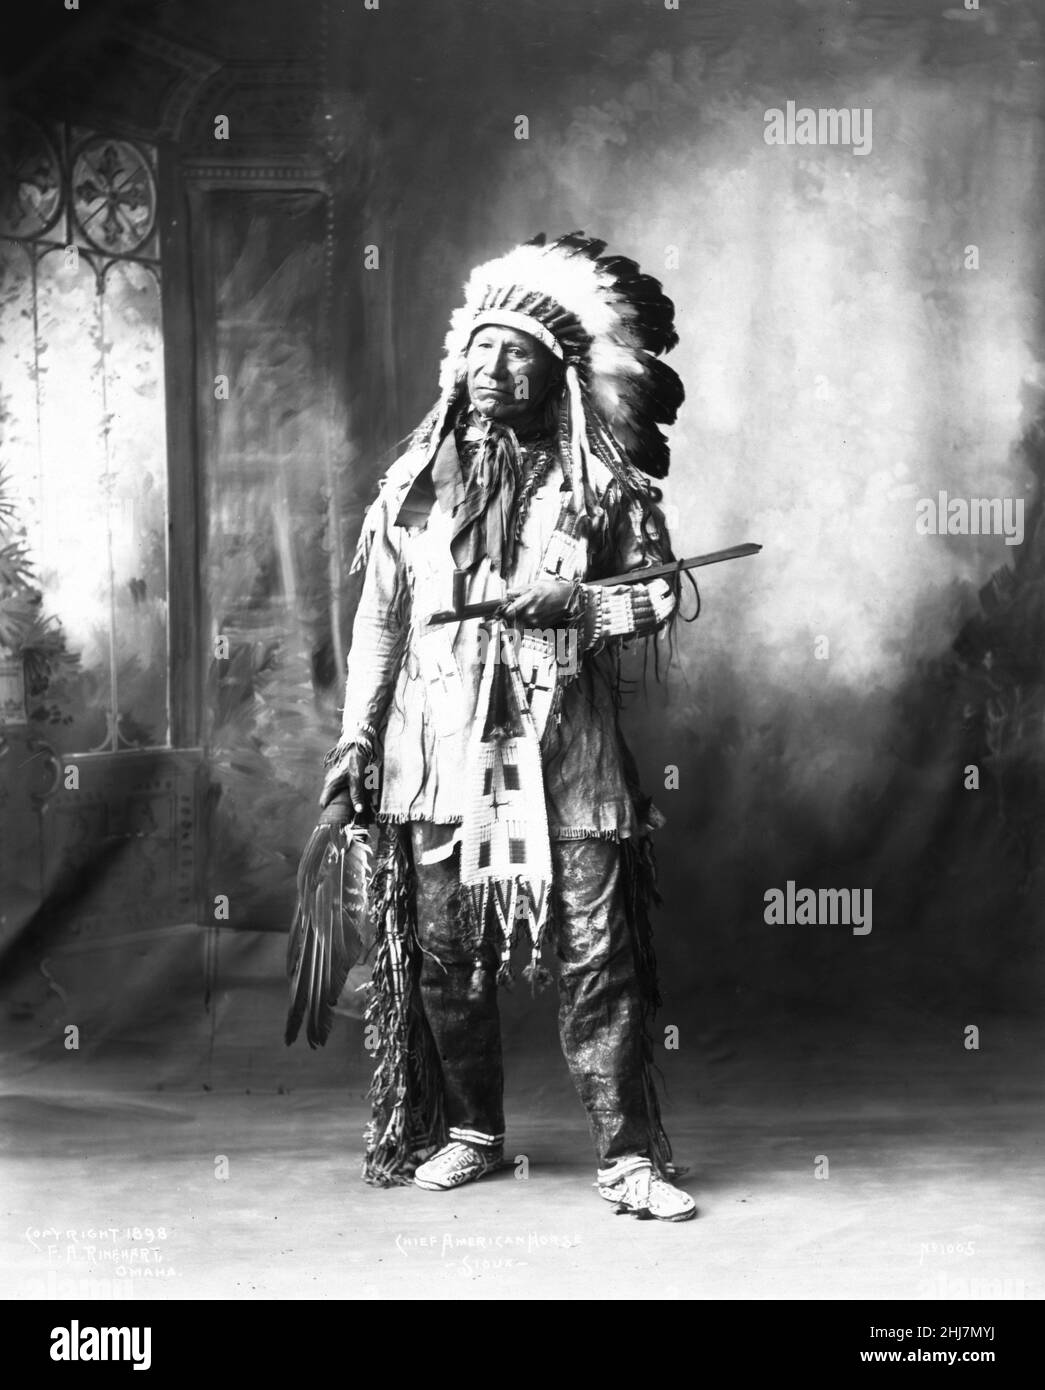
608	324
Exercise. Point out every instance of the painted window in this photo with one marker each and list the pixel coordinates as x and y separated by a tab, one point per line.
82	426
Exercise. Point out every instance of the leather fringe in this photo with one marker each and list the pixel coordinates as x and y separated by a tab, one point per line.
569	832
395	818
406	1093
582	832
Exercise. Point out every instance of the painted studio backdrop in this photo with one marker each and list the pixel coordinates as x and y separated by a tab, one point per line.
230	240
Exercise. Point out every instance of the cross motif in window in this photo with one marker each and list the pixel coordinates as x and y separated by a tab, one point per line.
111	196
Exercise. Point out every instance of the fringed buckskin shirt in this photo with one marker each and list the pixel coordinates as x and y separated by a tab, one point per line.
414	689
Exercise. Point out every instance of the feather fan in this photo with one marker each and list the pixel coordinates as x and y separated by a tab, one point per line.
331	929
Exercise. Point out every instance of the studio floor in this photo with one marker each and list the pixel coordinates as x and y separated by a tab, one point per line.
184	1153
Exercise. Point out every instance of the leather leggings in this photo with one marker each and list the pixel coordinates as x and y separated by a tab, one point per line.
600	1005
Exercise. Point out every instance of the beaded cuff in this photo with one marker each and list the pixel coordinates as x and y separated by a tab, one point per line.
633	610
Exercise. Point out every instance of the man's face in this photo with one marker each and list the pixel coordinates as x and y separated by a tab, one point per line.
508	373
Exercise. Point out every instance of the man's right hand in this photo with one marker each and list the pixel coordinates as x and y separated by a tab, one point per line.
350	779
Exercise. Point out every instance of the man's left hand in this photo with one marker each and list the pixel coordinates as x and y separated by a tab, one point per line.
545	603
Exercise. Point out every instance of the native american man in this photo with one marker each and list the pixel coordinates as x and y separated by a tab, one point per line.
508	800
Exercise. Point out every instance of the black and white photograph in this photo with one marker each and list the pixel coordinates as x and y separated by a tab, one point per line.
522	660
